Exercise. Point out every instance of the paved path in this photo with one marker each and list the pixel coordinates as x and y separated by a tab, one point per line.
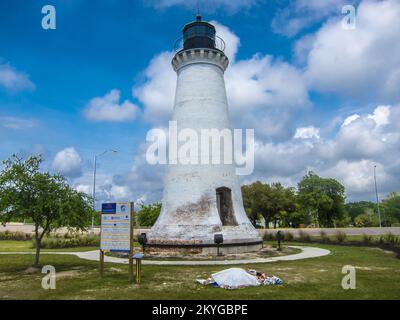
307	252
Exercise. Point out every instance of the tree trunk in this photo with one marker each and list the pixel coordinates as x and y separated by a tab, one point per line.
266	221
38	240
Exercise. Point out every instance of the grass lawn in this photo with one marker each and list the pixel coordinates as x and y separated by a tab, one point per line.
378	277
26	246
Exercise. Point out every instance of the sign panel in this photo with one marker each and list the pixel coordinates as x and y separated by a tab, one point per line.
108	208
116	226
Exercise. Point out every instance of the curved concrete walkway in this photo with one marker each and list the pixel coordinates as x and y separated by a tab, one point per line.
307	253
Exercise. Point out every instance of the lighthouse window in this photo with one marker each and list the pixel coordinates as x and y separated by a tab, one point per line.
225	207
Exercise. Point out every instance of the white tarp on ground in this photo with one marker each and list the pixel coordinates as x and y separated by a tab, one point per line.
234	278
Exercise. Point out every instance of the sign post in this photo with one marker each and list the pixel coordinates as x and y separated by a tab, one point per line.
101	268
117	222
138	257
132	215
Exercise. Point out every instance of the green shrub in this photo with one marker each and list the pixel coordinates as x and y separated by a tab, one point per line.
288	236
269	236
148	214
324	236
389	239
340	236
15	235
60	242
367	239
304	236
366	220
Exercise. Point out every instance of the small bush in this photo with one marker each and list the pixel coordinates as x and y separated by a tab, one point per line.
60	242
304	236
324	236
15	235
340	236
367	239
288	236
269	236
389	239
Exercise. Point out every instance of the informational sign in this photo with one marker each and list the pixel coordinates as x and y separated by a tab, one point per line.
116	226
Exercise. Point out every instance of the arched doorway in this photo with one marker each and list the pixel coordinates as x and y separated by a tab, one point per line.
225	206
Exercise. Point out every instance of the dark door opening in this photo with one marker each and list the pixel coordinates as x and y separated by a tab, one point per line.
225	206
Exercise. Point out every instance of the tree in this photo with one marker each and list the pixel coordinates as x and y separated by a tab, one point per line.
248	194
255	201
284	205
355	209
367	219
391	209
45	199
274	203
148	214
323	199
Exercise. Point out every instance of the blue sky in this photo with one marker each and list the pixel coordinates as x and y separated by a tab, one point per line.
336	94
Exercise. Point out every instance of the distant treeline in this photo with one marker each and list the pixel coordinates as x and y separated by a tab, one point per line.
318	202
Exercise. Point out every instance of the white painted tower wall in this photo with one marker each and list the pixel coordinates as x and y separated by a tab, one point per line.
189	213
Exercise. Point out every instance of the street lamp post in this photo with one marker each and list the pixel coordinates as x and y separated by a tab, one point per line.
377	198
94	181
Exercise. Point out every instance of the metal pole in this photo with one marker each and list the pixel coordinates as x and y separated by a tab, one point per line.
94	190
94	182
377	198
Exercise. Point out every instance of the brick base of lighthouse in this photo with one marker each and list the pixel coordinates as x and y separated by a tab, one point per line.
193	240
209	250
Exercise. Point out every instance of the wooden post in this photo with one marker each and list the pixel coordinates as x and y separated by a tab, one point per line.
131	243
101	267
138	270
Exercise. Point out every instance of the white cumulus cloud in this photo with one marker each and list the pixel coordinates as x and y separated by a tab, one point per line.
108	108
14	80
363	63
307	133
302	14
68	162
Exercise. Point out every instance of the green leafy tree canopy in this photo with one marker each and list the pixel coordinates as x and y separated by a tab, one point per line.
45	199
148	214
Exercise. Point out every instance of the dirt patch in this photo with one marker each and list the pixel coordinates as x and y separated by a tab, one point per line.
371	268
67	274
294	278
32	270
78	268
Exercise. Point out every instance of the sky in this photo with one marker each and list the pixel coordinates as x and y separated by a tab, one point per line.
319	96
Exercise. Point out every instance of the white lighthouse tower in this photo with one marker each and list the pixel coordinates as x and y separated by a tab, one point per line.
202	200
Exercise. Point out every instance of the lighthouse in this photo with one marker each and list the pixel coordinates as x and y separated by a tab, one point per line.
202	202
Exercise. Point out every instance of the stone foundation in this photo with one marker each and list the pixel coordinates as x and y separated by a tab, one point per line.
207	250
